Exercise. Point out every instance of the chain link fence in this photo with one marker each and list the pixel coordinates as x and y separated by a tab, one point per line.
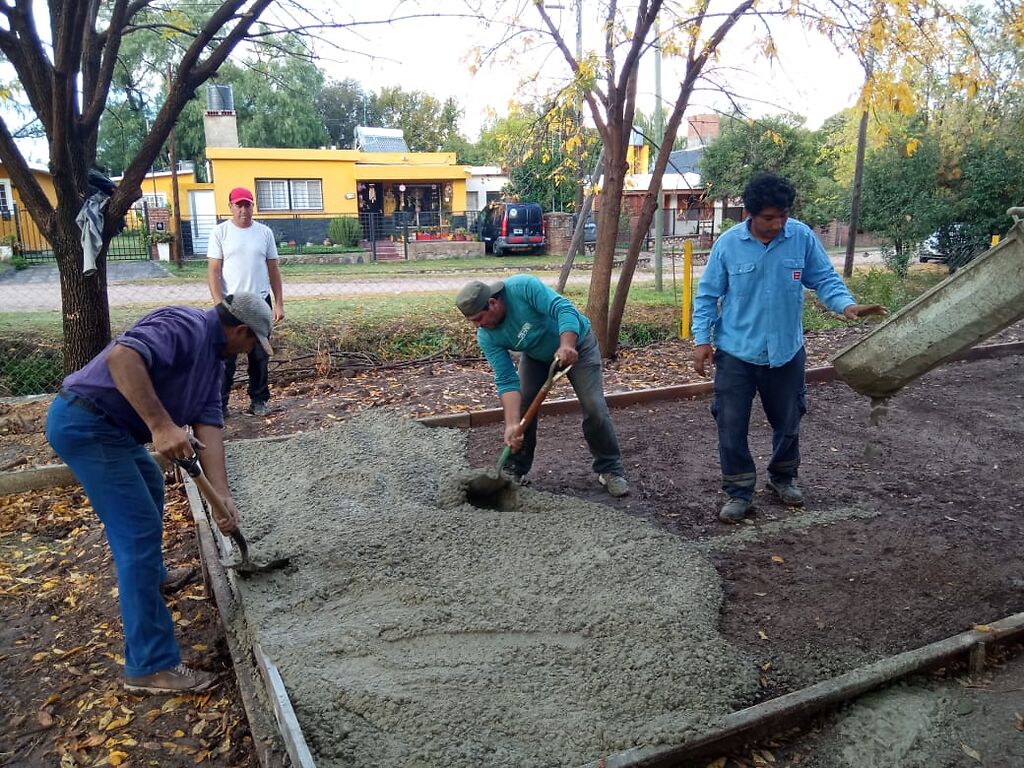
383	295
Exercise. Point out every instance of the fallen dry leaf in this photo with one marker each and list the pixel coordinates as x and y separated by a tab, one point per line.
971	753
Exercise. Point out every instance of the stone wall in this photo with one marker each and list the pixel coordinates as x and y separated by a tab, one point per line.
426	250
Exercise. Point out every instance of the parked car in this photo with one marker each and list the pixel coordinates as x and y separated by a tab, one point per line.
957	243
930	250
589	228
509	227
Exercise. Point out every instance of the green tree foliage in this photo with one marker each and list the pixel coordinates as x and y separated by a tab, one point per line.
542	165
779	144
274	89
428	124
899	198
343	105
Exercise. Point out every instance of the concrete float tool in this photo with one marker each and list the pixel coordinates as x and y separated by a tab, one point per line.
487	489
245	566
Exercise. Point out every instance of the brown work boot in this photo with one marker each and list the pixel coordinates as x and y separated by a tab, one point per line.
180	679
177	578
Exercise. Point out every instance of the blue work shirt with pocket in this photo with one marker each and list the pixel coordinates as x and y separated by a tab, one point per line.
750	298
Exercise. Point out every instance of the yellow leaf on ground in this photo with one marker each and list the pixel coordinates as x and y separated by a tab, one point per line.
971	753
983	628
778	559
116	757
120	722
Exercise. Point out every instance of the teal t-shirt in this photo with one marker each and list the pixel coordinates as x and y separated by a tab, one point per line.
535	318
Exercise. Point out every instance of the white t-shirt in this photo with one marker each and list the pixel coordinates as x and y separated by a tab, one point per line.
244	252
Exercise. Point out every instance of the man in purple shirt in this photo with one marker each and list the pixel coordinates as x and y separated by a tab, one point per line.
161	374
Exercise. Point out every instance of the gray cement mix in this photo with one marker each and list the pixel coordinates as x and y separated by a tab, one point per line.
415	629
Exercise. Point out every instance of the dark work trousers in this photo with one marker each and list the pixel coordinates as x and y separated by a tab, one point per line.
783	394
586	380
259	388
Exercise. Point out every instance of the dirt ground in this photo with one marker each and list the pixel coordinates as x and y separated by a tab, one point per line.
890	554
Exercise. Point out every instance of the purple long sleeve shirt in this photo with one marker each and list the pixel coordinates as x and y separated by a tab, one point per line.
183	350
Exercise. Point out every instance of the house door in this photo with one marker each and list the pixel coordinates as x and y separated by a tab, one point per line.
203	207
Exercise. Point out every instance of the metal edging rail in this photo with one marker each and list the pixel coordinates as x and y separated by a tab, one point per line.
226	597
818	375
792	709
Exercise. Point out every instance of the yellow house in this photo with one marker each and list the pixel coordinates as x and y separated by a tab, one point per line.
14	218
338	182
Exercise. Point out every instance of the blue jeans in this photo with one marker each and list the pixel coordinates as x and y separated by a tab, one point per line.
126	488
783	396
587	381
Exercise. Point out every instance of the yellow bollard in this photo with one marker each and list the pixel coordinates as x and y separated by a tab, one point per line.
685	315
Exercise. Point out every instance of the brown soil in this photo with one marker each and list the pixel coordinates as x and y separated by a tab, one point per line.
890	554
61	648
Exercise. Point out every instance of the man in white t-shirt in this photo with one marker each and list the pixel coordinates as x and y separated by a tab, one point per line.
242	256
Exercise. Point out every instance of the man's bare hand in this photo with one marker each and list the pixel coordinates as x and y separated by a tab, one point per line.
227	523
173	442
855	311
566	355
703	356
513	437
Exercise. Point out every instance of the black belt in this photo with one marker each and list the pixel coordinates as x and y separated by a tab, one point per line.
77	400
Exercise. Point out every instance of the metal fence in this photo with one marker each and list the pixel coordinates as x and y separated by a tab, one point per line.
22	238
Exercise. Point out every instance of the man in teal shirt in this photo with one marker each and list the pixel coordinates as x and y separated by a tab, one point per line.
522	314
750	299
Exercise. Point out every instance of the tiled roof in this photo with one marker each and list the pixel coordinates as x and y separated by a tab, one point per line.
685	161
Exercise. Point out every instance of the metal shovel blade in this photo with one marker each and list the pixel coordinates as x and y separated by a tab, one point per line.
247	567
490	490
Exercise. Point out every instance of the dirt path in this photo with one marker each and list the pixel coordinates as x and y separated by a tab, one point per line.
890	555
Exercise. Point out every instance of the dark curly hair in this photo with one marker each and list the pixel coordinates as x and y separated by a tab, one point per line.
767	190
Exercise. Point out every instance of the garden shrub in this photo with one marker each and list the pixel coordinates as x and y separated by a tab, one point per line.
344	231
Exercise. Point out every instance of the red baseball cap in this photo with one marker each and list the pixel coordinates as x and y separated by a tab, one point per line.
239	193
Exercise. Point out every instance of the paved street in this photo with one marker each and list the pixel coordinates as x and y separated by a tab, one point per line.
148	283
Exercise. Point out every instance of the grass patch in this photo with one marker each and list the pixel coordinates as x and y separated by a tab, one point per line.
874	286
194	270
395	328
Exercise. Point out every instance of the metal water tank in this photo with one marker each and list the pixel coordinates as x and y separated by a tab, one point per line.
219	98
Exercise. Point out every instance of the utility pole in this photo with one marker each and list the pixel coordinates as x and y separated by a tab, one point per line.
858	176
177	245
659	134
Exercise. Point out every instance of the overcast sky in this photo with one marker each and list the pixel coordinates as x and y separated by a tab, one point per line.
433	55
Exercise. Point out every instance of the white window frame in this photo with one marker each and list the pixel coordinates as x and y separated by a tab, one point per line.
289	195
7	200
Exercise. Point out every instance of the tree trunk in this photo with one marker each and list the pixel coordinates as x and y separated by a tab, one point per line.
607	236
86	312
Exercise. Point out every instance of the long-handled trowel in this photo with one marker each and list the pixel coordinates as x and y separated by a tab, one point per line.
245	566
485	489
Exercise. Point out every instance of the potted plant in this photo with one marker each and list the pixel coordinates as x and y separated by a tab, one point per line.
460	233
162	239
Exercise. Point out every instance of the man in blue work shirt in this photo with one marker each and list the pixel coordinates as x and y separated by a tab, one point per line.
524	315
161	374
750	300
